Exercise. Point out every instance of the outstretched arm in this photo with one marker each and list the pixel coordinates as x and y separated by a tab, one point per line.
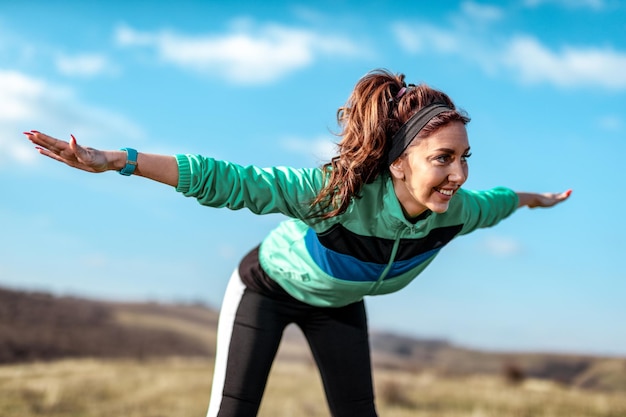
161	168
533	200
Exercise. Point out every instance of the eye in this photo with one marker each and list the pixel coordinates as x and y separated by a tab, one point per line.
443	159
465	156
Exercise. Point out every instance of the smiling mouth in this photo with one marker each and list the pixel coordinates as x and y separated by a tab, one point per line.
445	192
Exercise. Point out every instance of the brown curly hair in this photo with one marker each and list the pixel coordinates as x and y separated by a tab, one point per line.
368	121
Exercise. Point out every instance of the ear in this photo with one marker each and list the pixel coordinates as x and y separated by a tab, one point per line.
397	169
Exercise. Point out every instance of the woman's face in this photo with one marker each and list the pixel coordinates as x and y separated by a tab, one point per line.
431	170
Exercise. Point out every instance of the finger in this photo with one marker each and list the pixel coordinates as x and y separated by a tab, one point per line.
72	163
74	147
50	154
563	196
46	141
559	198
80	152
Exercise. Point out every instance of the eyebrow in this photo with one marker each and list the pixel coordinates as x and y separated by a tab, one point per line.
448	150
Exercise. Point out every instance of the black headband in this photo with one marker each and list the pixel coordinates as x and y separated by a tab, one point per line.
403	138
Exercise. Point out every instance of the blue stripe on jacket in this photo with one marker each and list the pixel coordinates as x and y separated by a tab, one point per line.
349	268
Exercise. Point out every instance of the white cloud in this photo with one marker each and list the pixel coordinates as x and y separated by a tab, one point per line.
425	37
533	62
481	12
321	148
524	57
569	4
247	54
29	103
85	65
611	123
501	246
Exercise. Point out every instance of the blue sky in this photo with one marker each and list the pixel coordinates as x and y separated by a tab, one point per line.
259	83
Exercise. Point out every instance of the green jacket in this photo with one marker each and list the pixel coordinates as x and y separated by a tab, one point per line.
370	249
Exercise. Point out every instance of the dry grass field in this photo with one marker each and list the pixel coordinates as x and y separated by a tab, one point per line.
70	357
178	387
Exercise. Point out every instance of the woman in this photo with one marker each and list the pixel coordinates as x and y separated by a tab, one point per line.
366	223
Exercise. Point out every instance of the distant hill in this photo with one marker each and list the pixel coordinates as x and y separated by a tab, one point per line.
582	371
37	326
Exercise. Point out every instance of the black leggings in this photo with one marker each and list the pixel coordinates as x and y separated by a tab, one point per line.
250	329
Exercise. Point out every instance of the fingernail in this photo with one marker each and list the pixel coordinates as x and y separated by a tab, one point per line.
27	133
72	136
568	192
34	131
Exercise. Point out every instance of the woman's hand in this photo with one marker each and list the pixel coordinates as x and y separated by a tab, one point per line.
533	200
161	168
74	155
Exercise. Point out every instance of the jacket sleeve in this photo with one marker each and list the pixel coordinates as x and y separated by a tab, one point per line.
218	183
487	208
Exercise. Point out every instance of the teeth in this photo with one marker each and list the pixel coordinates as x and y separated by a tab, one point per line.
446	192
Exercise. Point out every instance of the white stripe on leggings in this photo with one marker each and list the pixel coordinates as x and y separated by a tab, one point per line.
230	304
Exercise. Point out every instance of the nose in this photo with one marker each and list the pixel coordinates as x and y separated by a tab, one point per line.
458	173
